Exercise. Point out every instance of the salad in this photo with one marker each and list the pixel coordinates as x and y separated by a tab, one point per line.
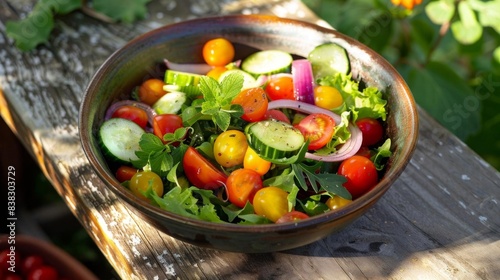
270	138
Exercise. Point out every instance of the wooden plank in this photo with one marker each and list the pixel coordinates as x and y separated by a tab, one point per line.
439	220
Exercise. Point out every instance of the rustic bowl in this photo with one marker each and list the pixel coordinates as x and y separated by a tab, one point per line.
182	42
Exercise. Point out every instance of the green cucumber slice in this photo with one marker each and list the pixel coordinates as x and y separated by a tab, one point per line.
249	81
328	59
170	103
179	78
274	140
267	62
119	139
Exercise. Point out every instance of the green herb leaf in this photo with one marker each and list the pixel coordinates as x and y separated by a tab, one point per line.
381	154
331	183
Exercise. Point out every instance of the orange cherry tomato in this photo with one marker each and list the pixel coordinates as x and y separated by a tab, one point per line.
242	184
361	175
125	173
151	90
254	103
253	161
135	114
218	52
200	172
280	88
318	128
216	72
327	97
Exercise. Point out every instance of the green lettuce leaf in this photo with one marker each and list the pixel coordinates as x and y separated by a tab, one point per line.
365	103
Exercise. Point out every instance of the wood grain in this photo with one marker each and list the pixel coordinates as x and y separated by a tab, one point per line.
440	220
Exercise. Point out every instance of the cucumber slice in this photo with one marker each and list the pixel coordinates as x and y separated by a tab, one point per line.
179	78
170	103
328	59
267	62
119	139
274	139
249	81
190	91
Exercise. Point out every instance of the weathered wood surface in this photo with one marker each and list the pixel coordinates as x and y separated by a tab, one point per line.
440	220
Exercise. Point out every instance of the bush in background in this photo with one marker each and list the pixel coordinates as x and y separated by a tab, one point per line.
447	51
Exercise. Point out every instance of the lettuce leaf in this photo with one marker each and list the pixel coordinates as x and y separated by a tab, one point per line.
365	103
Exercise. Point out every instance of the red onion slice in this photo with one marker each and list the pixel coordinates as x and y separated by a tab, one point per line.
303	81
149	111
348	149
195	68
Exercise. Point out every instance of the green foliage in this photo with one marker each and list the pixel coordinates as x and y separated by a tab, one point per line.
447	51
36	28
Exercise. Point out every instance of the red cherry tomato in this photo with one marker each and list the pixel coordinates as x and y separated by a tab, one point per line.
31	262
11	276
254	103
151	90
166	123
276	115
280	88
242	184
218	52
364	151
132	113
125	173
292	216
200	172
318	128
7	258
361	175
44	272
371	129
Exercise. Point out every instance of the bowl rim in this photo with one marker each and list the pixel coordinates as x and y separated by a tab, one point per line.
367	199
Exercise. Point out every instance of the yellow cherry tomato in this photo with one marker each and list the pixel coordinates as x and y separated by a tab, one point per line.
337	202
327	97
230	148
216	72
253	161
218	52
271	202
141	181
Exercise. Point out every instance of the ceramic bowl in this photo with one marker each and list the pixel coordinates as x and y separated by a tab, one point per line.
142	58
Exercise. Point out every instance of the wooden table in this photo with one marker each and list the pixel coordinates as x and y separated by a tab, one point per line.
440	220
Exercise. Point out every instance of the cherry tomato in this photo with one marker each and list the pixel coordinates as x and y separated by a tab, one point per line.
7	256
327	97
166	123
216	72
364	151
200	172
254	103
318	128
125	173
280	88
242	184
31	262
44	272
230	147
271	202
276	115
371	129
254	162
292	216
11	276
142	181
337	202
151	90
218	52
361	175
132	113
